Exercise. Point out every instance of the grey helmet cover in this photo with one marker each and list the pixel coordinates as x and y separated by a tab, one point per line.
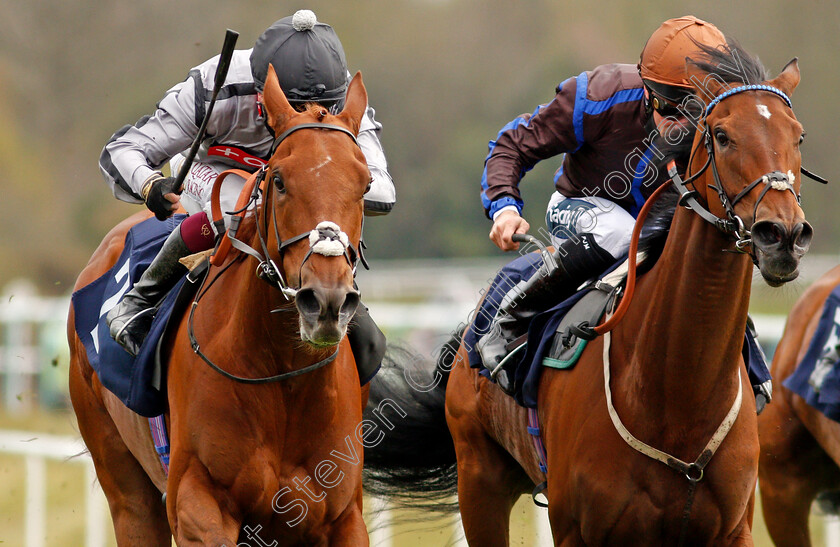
307	56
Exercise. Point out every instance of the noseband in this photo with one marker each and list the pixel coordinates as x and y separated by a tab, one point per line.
733	224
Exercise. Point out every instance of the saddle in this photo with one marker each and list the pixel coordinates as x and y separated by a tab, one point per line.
557	337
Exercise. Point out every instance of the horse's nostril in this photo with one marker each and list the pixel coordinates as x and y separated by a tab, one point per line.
351	302
307	303
802	235
768	234
317	304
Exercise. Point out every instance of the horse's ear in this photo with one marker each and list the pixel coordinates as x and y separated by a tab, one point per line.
708	85
355	104
277	106
788	79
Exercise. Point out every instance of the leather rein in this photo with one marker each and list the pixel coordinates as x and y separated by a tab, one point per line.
326	235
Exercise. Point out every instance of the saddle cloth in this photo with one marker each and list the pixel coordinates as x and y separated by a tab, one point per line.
817	377
137	382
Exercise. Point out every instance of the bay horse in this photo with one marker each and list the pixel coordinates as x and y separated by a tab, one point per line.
242	455
678	375
800	446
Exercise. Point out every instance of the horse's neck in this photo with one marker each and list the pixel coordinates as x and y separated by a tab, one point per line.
689	314
266	321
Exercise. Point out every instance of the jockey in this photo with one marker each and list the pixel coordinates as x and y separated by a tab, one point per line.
609	123
310	64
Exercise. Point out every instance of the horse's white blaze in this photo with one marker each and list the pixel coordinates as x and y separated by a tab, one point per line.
322	164
763	110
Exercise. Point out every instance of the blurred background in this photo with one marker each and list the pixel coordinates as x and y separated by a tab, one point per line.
443	75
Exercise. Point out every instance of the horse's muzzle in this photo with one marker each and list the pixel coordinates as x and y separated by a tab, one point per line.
778	249
325	313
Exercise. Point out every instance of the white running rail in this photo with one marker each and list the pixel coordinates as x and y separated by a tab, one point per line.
36	449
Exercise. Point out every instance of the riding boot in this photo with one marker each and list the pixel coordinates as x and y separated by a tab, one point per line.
367	343
130	321
757	369
577	261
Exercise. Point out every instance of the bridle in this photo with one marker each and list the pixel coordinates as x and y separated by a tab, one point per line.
733	224
326	239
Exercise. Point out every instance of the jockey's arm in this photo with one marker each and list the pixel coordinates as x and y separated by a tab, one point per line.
380	199
548	131
135	153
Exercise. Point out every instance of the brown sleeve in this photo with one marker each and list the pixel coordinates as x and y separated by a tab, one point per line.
522	143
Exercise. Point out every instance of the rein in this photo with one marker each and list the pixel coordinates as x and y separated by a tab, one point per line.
326	239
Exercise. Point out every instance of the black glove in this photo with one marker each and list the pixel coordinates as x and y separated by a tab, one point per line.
155	188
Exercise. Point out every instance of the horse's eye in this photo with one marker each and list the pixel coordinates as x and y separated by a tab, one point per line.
367	188
278	181
721	138
802	138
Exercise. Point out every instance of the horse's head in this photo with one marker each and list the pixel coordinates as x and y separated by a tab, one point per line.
316	180
752	160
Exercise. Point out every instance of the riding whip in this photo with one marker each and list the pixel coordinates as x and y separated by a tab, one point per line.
221	74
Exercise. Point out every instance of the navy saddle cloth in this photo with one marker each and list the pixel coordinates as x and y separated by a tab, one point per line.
817	377
542	330
134	381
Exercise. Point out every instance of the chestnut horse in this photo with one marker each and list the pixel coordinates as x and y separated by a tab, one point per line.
243	455
678	376
800	446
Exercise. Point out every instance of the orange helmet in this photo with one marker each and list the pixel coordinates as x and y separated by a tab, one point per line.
663	58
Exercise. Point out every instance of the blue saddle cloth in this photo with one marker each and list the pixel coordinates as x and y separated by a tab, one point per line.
541	331
133	380
817	377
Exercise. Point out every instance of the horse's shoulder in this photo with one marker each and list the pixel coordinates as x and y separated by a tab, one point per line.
109	249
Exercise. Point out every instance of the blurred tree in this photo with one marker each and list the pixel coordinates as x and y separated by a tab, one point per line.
444	76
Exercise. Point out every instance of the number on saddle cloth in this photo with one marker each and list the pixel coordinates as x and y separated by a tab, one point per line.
132	380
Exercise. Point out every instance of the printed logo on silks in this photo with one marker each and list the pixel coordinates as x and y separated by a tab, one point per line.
235	154
570	217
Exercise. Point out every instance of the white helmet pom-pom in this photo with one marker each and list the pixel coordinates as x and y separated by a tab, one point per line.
304	20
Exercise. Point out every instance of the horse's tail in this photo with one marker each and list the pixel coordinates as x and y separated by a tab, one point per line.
413	465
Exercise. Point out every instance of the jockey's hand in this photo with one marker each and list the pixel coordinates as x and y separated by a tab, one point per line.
159	194
506	224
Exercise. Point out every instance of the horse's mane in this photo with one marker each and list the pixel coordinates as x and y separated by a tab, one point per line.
731	63
656	227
